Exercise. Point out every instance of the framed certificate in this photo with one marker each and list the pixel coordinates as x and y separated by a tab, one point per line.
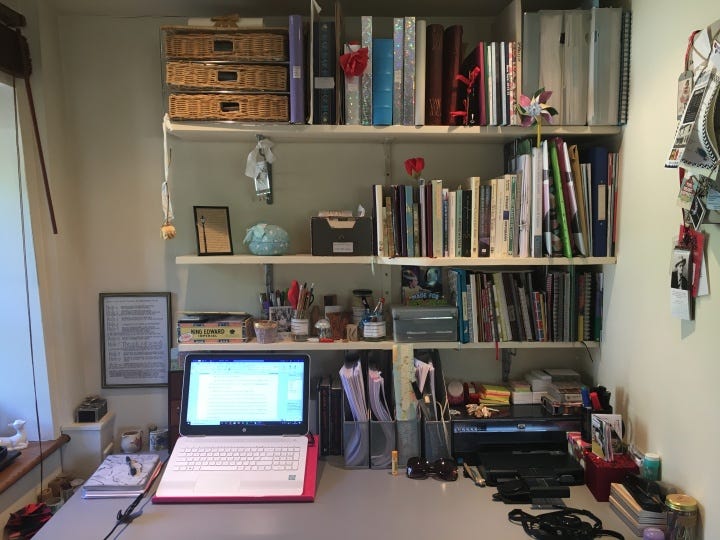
135	339
212	227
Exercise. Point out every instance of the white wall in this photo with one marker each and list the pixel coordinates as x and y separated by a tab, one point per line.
663	372
110	78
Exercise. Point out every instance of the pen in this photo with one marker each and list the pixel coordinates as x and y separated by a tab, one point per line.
133	469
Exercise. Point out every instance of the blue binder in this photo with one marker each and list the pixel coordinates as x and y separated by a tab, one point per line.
382	81
597	156
297	69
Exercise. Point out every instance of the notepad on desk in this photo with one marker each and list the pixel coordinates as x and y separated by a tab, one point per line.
121	475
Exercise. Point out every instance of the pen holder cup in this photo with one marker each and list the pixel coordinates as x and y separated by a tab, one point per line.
408	440
299	329
382	443
374	330
356	444
436	439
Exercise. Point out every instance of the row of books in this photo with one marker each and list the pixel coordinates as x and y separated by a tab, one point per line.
578	187
424	74
557	201
562	306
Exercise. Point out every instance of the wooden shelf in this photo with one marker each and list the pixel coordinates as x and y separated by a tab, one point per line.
233	131
28	458
393	261
289	345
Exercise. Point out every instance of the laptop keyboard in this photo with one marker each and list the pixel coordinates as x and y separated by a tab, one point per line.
238	458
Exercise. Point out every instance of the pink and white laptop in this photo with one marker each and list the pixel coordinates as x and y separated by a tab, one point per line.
243	421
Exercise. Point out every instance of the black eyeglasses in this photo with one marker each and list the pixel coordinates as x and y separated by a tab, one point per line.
443	468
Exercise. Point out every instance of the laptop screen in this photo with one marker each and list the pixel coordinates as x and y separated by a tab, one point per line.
245	394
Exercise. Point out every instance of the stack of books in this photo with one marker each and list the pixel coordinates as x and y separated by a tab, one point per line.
122	475
632	513
493	394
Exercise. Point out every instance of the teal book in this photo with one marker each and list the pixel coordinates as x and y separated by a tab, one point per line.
559	201
382	82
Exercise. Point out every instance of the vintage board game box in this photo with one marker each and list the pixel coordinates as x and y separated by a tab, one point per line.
194	327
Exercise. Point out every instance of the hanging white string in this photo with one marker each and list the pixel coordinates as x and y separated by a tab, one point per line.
168	230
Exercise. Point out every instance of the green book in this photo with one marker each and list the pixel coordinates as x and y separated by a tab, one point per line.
559	200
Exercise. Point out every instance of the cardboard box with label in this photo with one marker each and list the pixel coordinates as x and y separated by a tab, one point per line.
342	236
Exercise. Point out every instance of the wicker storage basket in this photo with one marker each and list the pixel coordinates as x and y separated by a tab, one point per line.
248	107
236	45
250	77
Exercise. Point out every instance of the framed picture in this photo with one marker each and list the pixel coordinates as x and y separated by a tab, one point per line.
135	339
281	314
212	230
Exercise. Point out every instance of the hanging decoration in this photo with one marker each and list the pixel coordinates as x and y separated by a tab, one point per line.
167	229
258	167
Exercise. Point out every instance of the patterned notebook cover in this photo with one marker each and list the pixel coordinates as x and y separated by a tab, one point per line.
116	472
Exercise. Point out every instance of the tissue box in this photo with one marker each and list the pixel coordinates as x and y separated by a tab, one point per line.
599	474
341	236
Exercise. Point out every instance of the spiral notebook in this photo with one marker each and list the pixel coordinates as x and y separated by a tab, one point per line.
230	402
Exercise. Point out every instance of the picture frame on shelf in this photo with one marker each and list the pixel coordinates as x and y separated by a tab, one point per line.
135	339
212	230
281	314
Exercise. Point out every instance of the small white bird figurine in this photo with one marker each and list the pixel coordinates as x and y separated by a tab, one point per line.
17	441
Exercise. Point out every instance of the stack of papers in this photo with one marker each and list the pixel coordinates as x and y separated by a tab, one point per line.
121	475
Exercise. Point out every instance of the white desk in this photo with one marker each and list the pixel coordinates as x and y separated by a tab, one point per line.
350	504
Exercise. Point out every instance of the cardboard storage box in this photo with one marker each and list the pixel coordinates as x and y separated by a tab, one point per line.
341	236
425	323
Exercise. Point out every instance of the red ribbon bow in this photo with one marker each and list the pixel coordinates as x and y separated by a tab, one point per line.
355	62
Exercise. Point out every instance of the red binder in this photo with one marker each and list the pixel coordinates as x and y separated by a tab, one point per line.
308	494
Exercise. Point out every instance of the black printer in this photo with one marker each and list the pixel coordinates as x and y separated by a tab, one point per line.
518	441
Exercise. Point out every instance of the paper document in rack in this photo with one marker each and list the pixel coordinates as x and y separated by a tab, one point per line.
351	376
381	454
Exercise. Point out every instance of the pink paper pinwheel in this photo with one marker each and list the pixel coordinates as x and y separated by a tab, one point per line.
533	110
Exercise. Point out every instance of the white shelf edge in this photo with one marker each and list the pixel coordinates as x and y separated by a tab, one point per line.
377	345
393	261
235	131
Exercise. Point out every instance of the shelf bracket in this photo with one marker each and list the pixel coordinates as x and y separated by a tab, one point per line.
506	360
387	154
268	274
